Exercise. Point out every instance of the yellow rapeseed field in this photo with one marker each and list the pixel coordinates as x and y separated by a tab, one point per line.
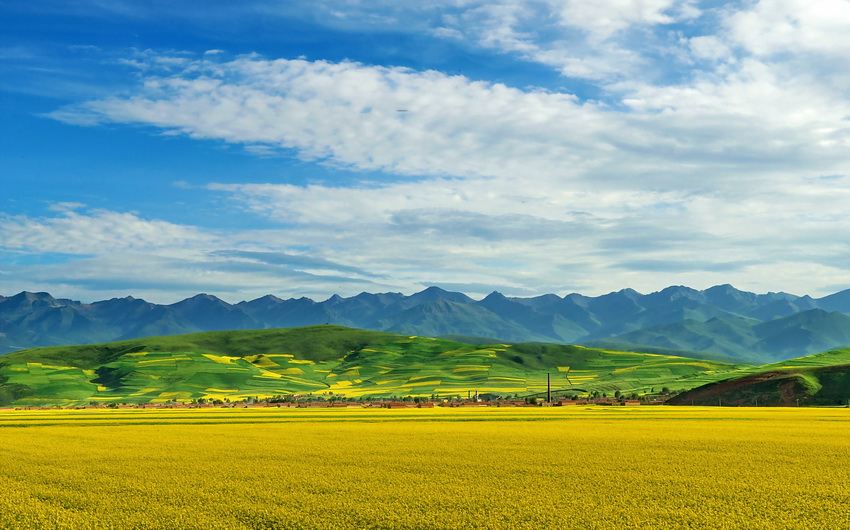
570	467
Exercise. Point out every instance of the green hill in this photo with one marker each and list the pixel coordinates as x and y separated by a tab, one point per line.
822	379
329	359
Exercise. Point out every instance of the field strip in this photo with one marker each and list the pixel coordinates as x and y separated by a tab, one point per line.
81	418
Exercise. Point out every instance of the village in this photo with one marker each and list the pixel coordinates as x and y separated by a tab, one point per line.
408	402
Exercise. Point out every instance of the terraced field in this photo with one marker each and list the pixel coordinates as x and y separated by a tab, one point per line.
508	468
328	360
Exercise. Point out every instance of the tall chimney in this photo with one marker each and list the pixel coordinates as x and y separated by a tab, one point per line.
548	388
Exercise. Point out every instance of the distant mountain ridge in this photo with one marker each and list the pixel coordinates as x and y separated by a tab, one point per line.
720	320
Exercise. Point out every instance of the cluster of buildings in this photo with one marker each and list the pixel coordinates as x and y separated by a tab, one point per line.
374	404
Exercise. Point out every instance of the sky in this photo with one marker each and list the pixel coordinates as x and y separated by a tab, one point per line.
166	148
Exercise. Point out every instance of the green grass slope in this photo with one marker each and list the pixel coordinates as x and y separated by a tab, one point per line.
321	360
822	379
628	346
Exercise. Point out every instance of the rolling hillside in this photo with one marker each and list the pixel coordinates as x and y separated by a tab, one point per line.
329	359
822	379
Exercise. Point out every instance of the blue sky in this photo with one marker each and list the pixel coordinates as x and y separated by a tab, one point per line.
306	148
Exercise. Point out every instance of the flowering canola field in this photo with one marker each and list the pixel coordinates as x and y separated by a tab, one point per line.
567	467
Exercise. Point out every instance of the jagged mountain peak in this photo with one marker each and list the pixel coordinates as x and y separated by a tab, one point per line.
495	295
551	298
722	288
202	298
622	298
673	293
118	303
678	290
31	296
269	298
498	302
264	303
26	300
434	293
727	291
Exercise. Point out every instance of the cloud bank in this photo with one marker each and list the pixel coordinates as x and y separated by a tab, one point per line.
714	150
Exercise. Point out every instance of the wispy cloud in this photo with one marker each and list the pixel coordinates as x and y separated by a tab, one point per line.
347	114
699	159
103	252
96	232
502	185
292	261
602	40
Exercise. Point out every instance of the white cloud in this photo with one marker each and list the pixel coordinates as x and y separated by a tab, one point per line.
602	18
602	40
350	114
97	232
771	97
779	26
96	254
394	237
709	47
702	166
478	232
66	206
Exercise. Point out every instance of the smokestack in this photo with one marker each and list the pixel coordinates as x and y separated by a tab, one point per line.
548	388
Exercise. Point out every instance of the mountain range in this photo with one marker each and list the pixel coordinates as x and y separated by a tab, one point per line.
720	322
